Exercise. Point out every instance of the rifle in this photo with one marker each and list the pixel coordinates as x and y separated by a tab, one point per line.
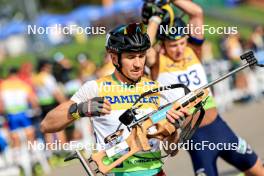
138	138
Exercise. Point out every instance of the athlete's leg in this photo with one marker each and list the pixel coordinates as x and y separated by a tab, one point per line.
204	158
242	157
204	162
26	124
13	124
30	133
15	139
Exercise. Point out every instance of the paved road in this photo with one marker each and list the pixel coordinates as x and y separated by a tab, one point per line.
246	120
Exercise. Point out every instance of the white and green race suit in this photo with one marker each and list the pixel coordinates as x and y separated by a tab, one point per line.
122	97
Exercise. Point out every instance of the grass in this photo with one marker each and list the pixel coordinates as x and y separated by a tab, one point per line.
244	11
95	45
15	62
244	31
247	12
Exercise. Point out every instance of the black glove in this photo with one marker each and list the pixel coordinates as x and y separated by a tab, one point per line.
91	107
151	8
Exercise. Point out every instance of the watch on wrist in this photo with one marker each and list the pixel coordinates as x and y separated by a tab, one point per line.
73	111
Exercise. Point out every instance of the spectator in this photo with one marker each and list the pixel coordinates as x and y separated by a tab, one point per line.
222	47
87	67
207	52
256	41
26	73
63	72
234	49
49	94
62	68
107	67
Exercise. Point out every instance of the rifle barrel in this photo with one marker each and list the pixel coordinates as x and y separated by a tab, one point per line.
203	87
225	76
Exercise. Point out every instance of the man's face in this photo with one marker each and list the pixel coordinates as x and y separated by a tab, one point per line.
175	48
48	68
133	64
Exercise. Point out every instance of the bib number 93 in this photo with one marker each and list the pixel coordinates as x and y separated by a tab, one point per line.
189	78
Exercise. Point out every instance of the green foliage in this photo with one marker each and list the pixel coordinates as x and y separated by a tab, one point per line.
246	13
244	31
94	47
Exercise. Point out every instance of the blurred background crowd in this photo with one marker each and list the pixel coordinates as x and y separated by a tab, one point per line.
39	71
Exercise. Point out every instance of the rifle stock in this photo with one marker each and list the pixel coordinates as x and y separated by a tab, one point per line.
134	146
138	138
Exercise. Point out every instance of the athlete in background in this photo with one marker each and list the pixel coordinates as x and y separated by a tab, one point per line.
179	61
49	94
16	95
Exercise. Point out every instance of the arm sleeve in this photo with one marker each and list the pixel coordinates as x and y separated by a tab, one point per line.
195	41
87	91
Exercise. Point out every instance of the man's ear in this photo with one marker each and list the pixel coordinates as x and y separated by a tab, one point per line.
114	58
162	48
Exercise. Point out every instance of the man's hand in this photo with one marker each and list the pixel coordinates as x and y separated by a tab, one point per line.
173	139
95	107
177	117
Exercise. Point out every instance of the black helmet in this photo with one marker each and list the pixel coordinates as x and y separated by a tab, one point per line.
172	32
128	38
